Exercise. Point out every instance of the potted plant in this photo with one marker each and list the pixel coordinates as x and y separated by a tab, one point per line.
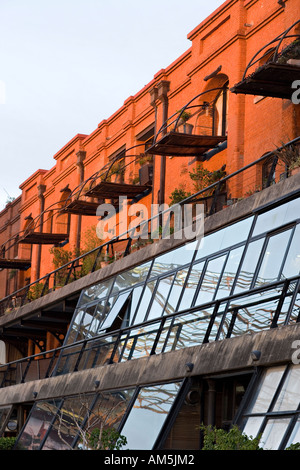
290	54
290	156
183	125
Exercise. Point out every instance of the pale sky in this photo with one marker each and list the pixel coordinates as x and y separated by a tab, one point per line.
66	65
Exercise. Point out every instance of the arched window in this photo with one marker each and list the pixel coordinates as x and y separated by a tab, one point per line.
63	219
220	112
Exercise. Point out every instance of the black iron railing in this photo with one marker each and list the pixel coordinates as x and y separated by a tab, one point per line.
212	197
268	306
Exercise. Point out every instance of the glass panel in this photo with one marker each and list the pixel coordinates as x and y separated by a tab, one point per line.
86	323
73	331
270	220
135	297
67	361
37	424
69	419
145	302
273	433
252	426
175	292
245	276
278	216
224	238
4	411
289	396
98	352
273	257
191	286
97	291
254	318
148	414
292	264
188	330
174	259
139	342
228	276
160	298
131	277
115	310
99	316
295	436
210	280
264	393
107	413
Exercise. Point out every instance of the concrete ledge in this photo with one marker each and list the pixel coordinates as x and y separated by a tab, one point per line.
238	210
230	355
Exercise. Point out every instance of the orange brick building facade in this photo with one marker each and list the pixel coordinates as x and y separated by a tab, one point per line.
221	47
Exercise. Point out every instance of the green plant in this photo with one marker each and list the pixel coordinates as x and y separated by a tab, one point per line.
292	51
295	446
7	443
179	194
289	155
203	178
143	159
184	115
234	439
35	291
107	439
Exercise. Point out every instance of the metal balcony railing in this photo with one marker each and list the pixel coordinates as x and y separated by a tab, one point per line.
269	306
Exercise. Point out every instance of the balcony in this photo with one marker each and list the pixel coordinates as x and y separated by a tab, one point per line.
41	238
195	129
15	263
277	68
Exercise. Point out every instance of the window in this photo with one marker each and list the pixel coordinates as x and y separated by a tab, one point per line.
148	414
273	410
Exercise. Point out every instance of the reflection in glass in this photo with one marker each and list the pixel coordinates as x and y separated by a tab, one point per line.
254	318
295	436
292	264
73	330
273	433
252	426
68	359
174	259
98	352
210	280
131	277
278	216
229	273
272	259
148	415
162	291
108	410
135	297
175	292
116	309
191	286
4	410
69	419
271	219
188	330
145	301
139	342
100	313
37	425
250	261
224	238
264	393
97	291
289	397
